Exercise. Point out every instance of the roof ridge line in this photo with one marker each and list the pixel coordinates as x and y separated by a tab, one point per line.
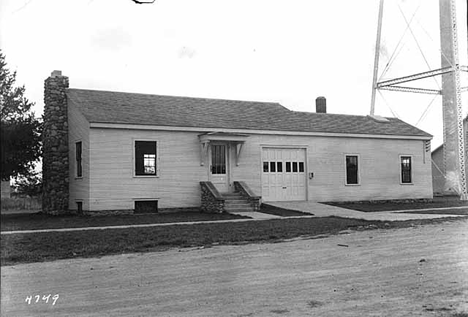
338	114
173	96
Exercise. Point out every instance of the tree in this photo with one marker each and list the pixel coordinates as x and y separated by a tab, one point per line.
20	129
30	185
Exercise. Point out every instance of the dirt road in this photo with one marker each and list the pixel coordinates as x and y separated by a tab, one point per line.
420	271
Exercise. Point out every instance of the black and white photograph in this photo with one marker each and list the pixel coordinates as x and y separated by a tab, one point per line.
234	158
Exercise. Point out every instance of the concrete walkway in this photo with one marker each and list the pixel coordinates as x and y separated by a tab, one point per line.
322	210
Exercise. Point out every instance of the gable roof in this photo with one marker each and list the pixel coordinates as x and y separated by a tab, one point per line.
142	109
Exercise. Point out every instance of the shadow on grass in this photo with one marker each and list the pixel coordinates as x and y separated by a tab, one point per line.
273	210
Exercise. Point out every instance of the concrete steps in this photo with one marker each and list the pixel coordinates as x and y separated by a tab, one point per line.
234	202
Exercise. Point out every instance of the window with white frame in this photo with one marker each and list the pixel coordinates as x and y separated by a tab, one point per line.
406	169
145	158
352	170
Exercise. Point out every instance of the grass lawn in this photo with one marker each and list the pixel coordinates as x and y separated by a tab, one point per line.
37	247
272	210
41	221
376	206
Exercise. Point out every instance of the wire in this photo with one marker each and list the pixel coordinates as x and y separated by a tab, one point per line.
443	174
430	37
417	43
394	113
393	56
426	110
391	62
438	168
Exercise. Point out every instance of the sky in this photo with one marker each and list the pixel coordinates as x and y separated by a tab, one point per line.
286	51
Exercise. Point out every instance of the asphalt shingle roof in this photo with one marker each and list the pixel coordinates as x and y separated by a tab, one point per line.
131	108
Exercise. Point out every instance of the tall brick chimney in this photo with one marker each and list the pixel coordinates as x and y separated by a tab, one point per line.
55	145
321	105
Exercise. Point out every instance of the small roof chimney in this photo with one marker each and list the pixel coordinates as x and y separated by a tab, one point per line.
56	73
321	105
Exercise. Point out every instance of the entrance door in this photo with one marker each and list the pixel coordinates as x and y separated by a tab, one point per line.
283	174
219	165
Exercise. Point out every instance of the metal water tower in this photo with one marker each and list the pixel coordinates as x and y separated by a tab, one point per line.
454	141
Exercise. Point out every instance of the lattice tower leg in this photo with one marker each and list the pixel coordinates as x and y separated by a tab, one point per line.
454	145
460	132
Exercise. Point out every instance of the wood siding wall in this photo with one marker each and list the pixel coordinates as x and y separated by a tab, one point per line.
114	186
78	131
379	167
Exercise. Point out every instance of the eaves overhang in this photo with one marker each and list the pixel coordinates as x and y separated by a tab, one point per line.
126	126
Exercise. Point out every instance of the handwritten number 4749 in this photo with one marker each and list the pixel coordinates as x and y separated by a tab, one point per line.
36	298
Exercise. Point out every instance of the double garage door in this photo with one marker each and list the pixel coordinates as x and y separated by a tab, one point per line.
283	174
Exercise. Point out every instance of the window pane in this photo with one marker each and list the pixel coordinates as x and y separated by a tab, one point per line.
280	167
272	167
145	157
288	167
301	167
149	163
406	169
265	167
218	159
351	169
78	146
295	167
79	163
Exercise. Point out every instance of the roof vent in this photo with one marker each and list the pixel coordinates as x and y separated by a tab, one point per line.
321	105
379	118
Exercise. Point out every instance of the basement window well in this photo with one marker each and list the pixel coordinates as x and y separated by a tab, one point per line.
79	207
146	206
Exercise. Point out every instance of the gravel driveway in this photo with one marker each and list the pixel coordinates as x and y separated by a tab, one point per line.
419	271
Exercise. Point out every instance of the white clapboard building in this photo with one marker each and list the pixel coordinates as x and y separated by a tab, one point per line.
128	150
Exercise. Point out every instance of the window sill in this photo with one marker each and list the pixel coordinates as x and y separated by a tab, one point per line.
406	183
145	176
352	184
78	177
